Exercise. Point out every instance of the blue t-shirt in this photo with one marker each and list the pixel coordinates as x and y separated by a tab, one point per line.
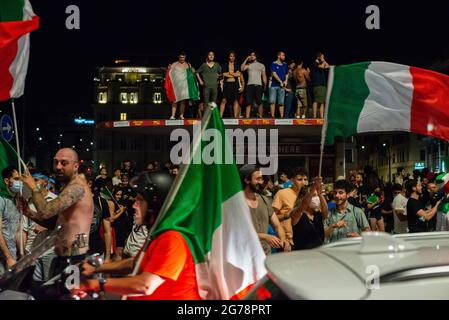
281	70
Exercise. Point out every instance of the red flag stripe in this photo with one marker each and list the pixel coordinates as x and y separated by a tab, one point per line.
170	92
10	33
430	104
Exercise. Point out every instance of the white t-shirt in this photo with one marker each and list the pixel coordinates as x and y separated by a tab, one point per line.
135	241
255	71
116	181
400	203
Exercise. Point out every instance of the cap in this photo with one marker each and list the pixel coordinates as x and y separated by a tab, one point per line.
40	176
247	170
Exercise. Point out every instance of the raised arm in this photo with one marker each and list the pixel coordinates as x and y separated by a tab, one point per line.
429	214
244	66
71	194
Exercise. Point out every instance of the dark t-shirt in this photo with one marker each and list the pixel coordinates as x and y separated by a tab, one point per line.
319	76
101	212
414	223
308	234
355	203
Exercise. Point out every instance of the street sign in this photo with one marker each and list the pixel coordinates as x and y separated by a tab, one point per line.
6	127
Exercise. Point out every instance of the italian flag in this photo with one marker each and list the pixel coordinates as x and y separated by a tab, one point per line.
181	84
207	206
17	20
381	96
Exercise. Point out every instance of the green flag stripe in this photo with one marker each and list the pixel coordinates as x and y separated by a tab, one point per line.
192	85
11	10
8	157
347	98
196	210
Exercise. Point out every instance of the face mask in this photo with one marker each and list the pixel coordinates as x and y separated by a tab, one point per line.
16	187
315	203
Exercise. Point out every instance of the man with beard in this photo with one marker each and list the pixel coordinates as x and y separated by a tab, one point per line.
417	215
261	211
73	208
345	220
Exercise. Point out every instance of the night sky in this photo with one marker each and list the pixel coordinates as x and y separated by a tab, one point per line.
151	32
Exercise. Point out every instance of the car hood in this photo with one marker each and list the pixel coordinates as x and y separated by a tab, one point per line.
314	275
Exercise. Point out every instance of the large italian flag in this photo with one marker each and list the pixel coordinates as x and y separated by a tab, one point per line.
207	206
17	20
381	96
181	84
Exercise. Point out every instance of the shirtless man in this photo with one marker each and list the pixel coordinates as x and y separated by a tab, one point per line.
73	207
302	76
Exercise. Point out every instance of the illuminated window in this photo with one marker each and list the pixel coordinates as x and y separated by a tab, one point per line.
124	97
123	116
133	97
102	97
157	98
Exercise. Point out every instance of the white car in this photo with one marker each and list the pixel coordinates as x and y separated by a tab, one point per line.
374	266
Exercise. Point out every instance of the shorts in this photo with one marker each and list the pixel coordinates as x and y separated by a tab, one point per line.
277	95
254	94
301	96
231	91
210	94
375	214
319	94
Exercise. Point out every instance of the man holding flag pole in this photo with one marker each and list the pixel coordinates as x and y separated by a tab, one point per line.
17	20
203	244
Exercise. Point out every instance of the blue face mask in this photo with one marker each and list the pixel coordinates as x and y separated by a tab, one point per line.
16	187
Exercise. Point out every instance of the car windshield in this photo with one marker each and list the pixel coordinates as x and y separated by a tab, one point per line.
28	260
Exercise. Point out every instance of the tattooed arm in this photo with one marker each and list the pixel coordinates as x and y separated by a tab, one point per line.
68	197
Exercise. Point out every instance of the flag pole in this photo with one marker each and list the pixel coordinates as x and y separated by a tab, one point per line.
19	162
196	144
112	196
330	82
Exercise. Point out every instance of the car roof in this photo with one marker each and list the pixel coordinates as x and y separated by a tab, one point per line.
340	270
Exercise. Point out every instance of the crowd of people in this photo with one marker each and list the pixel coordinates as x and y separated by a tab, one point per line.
285	91
113	233
110	215
313	214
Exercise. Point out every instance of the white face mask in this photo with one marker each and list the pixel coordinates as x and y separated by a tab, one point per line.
16	187
315	203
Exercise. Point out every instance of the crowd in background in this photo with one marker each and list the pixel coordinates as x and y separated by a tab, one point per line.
290	210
